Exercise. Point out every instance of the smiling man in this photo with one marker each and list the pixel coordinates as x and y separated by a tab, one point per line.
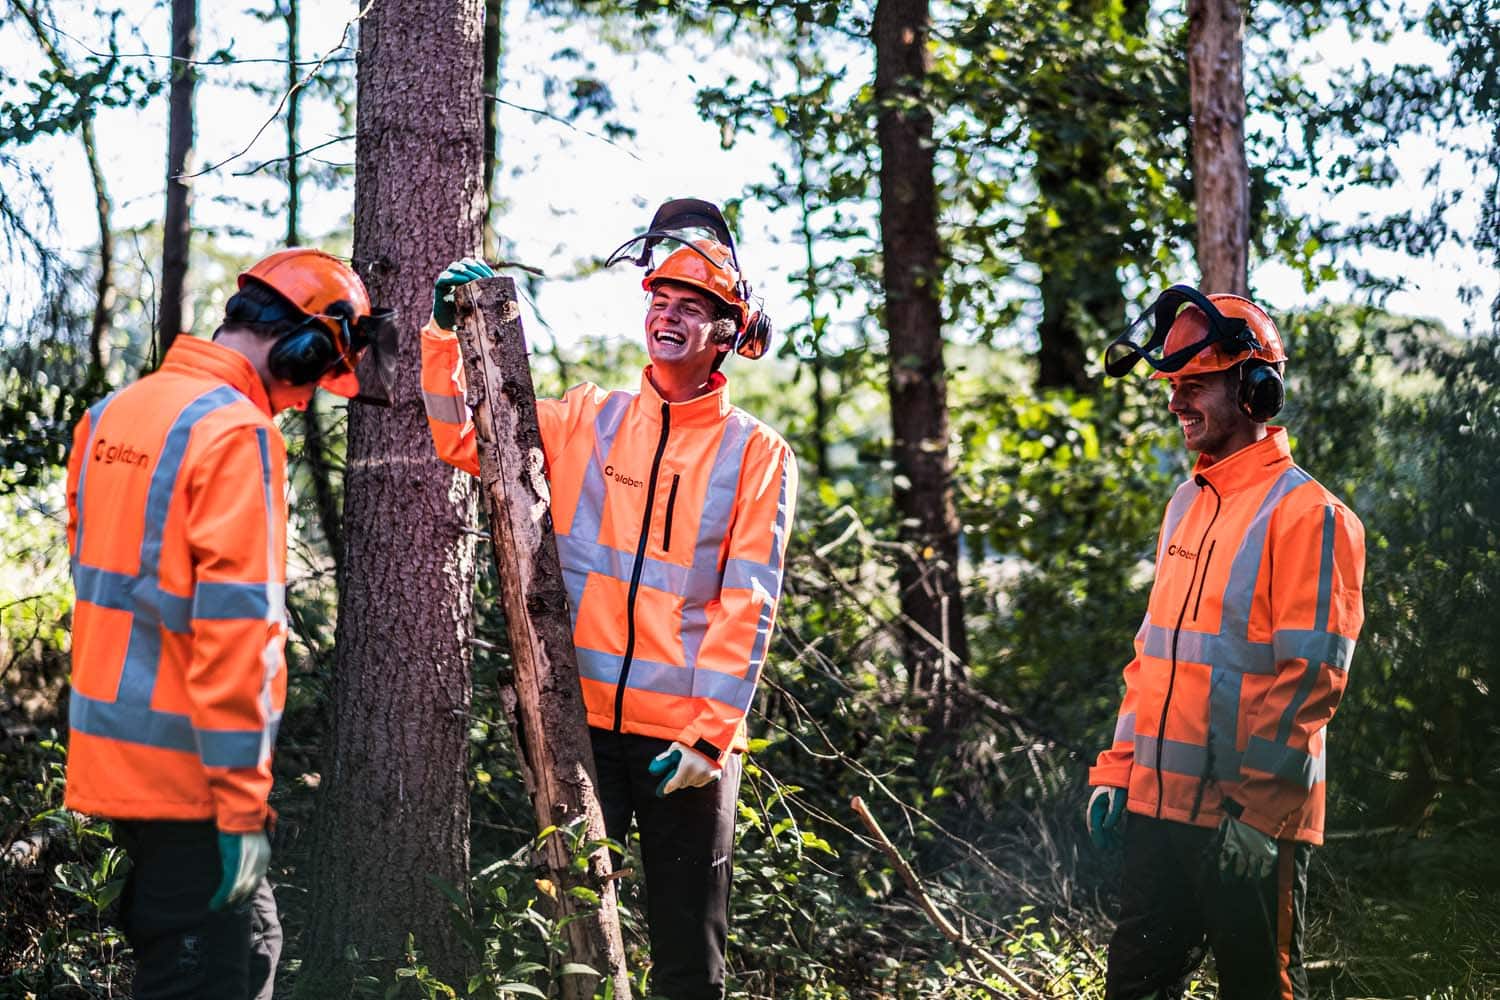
672	510
1219	755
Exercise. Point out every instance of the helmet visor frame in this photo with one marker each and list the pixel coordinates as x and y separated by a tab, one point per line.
1125	351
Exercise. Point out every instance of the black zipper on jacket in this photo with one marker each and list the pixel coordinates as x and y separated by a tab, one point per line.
666	531
1207	562
635	571
1166	705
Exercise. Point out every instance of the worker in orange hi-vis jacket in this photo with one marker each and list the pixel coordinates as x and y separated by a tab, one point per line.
177	521
1216	771
672	510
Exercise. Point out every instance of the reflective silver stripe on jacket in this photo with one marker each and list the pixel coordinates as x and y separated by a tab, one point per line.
582	554
129	717
1231	654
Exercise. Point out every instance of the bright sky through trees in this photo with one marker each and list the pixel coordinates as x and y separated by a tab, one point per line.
570	193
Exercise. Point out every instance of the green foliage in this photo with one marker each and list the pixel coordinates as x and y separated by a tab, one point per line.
1406	423
35	601
62	97
46	385
59	878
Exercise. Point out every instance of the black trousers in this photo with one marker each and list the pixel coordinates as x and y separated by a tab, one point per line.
1175	904
184	950
687	845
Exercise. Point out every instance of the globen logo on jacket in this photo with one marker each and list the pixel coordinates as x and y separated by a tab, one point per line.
1245	648
671	522
180	573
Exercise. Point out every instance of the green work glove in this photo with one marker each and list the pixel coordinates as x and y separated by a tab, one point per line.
682	767
1244	851
244	858
460	272
1106	808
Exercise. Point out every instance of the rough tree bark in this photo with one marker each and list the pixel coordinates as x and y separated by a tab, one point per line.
815	322
394	809
1221	174
930	596
177	227
494	54
544	701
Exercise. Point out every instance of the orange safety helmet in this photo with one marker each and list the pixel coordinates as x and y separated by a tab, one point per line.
338	323
313	281
1192	326
1192	333
707	266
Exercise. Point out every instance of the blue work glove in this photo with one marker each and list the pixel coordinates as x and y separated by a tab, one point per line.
460	272
1244	851
682	767
1105	809
244	858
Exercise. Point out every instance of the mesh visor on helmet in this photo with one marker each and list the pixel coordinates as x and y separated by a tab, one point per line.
1231	334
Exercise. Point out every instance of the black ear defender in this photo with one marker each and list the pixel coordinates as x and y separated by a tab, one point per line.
755	339
1262	391
306	352
303	354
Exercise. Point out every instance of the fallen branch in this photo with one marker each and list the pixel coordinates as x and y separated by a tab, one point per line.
941	922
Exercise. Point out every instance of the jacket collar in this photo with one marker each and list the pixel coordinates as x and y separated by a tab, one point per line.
703	411
191	355
1248	466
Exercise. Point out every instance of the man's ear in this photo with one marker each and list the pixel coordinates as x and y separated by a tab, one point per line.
724	333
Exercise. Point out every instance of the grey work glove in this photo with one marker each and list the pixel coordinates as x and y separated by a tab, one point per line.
1244	851
682	767
460	272
1105	810
244	858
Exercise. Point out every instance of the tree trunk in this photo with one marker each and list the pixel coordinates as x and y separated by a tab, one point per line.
394	812
293	107
314	441
494	53
178	225
104	284
815	324
545	702
1221	175
930	596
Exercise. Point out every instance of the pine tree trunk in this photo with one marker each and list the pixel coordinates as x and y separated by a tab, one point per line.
1221	175
177	227
394	812
494	54
930	596
314	441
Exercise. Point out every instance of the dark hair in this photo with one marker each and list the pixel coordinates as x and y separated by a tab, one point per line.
262	310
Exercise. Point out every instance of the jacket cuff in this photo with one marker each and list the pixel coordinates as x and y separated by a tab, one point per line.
1110	776
1268	825
704	747
244	822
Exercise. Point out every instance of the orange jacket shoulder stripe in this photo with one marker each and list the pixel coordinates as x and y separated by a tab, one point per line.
1245	648
671	523
177	528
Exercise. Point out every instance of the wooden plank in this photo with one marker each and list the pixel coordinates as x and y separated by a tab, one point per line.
545	702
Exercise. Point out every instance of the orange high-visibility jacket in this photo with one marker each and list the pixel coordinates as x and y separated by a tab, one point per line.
1245	648
177	527
671	522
